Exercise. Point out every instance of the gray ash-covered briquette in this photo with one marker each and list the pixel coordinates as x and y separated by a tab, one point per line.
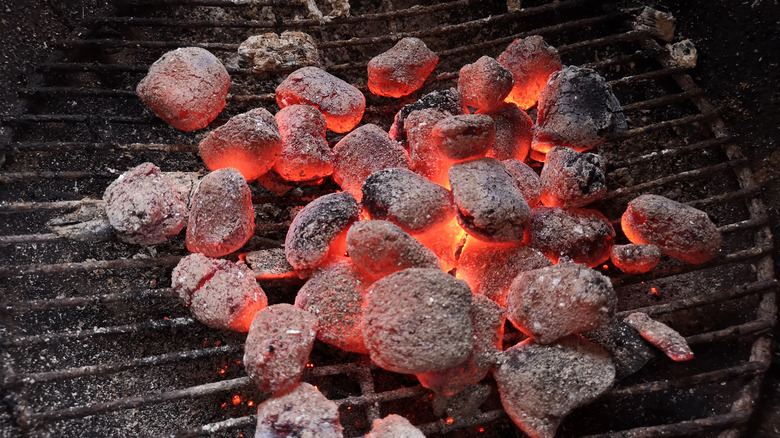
490	205
305	154
514	132
426	159
379	248
402	69
634	258
418	320
527	180
484	84
301	412
278	346
446	101
540	385
464	136
334	294
667	339
581	234
550	303
577	109
629	352
314	232
571	179
394	426
407	199
143	207
531	62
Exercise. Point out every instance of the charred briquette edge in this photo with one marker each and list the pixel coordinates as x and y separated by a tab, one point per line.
446	101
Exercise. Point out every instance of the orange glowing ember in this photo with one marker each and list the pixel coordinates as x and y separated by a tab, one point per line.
654	291
449	420
236	400
250	403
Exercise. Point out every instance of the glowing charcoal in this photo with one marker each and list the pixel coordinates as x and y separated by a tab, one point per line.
660	335
484	84
680	231
513	132
402	69
418	320
583	235
278	345
394	426
426	159
464	136
540	385
531	62
340	103
556	301
379	248
248	142
571	179
576	109
635	259
319	231
444	240
444	101
222	218
305	155
143	207
490	205
629	352
527	180
269	264
487	319
186	88
362	152
219	293
489	268
303	410
334	294
407	199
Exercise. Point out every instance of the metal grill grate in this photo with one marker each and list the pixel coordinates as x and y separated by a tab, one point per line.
93	340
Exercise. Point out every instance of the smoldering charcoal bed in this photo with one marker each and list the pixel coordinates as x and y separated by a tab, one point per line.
94	341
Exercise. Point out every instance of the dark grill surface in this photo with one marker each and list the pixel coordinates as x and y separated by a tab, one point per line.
94	342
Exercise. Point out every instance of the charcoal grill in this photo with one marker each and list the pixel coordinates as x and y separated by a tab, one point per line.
94	341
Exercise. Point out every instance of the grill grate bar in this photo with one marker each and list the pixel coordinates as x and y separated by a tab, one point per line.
58	303
690	427
89	266
661	101
653	156
757	327
77	146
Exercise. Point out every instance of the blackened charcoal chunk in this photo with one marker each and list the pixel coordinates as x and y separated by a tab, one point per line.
317	230
402	69
219	293
576	109
464	136
487	319
629	352
222	218
556	301
362	152
341	103
186	88
489	268
418	320
681	231
583	235
540	384
527	180
380	248
334	294
571	179
143	207
514	131
394	426
635	259
484	84
249	142
490	205
446	101
278	346
407	199
302	412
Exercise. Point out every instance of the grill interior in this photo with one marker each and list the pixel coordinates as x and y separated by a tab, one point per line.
94	341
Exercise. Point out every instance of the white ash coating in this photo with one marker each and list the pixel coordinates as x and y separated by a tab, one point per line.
540	384
270	51
143	207
402	69
418	320
407	199
484	84
581	234
667	339
278	346
527	180
303	412
571	179
635	259
426	160
394	426
514	132
464	136
305	154
556	301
